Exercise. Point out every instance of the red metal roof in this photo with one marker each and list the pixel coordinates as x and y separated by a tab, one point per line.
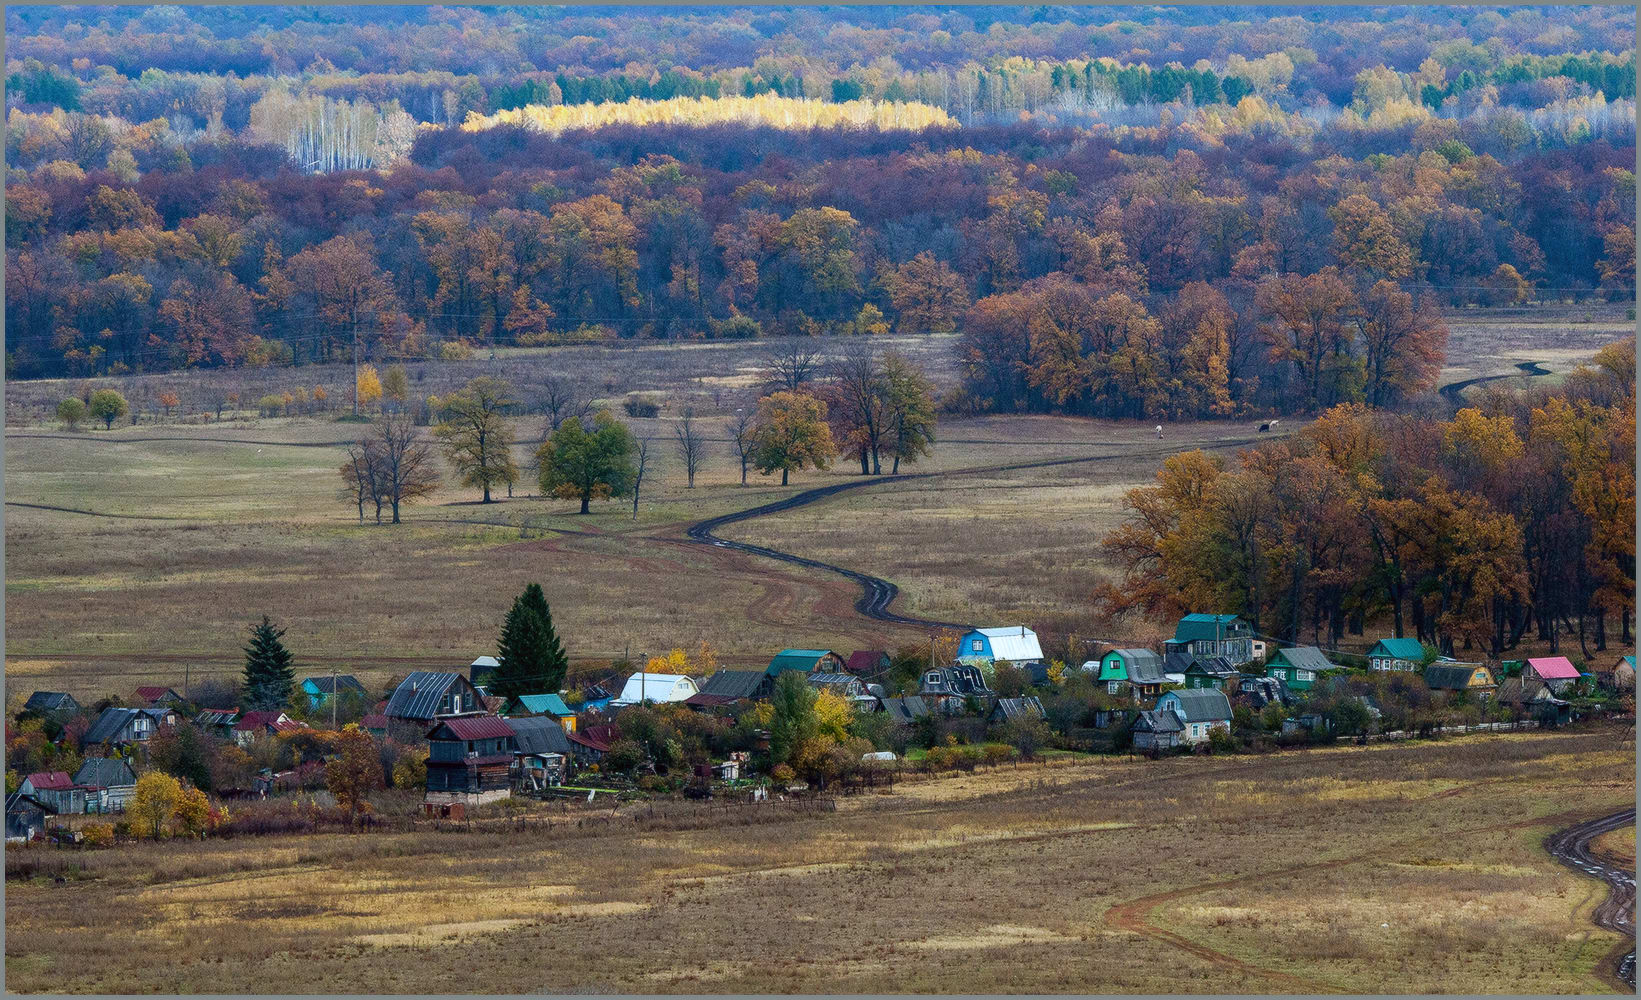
151	693
375	721
588	741
256	720
54	781
1554	668
865	660
476	727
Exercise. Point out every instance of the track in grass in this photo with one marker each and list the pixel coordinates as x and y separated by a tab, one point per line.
1572	848
1454	391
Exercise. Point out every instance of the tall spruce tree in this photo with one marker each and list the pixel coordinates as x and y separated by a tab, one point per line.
268	675
532	660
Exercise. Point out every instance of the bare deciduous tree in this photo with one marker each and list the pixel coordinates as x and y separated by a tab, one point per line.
691	447
791	366
860	404
406	463
560	401
742	431
643	453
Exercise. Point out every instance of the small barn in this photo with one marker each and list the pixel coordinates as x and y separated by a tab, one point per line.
253	726
1396	654
55	790
807	660
425	695
1157	730
543	704
1533	699
1201	711
1447	675
1298	667
1620	676
657	688
469	760
1007	710
25	817
153	697
905	710
219	722
51	703
111	774
1014	643
868	662
1211	672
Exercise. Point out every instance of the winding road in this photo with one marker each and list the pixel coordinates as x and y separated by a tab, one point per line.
1454	391
877	594
1572	848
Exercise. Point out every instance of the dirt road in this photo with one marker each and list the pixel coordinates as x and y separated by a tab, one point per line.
1572	848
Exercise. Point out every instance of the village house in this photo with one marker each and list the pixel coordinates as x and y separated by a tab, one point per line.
1396	654
727	687
1211	672
542	751
949	688
1452	676
426	695
1307	723
1028	709
219	722
1257	692
1533	699
113	776
51	703
1556	672
1298	667
807	660
480	670
376	724
906	710
655	688
25	817
1119	669
253	726
125	726
1157	729
1619	676
550	705
846	686
591	744
469	760
1213	635
1200	711
1014	643
868	662
55	790
155	697
320	689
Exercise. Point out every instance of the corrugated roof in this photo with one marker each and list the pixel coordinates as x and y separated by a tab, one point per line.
1450	676
544	704
863	661
1021	708
1014	643
539	734
906	709
343	682
1305	658
1399	649
472	727
375	721
420	695
49	701
657	688
1213	666
1201	627
105	772
256	720
51	781
1199	704
795	659
153	694
1554	668
734	684
1159	721
108	725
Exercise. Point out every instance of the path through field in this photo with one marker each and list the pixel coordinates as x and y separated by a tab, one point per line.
1572	848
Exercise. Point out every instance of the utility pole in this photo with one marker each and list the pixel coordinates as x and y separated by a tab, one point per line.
333	689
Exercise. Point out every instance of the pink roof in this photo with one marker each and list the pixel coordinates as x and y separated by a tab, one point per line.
51	781
256	720
374	722
1554	668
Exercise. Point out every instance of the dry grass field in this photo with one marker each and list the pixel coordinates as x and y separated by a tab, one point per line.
1385	869
171	536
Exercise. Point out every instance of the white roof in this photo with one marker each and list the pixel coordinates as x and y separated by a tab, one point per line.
485	661
643	687
1017	644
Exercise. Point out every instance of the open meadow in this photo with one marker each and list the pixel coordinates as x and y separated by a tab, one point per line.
1198	875
138	555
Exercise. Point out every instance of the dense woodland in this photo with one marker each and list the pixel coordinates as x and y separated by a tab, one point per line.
1191	218
1513	520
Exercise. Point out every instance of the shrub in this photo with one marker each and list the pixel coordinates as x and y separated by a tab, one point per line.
783	774
455	350
71	411
736	328
638	406
98	834
270	405
997	753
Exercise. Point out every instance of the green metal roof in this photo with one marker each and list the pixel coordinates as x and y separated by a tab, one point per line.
1199	627
1400	649
543	704
795	659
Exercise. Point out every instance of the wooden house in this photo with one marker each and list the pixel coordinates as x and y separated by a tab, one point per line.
1214	635
1556	672
218	722
1157	730
845	686
51	703
1620	676
807	660
1200	711
1015	644
905	710
1533	699
1396	654
426	695
25	817
1211	672
542	752
253	726
1016	710
1120	668
1298	667
55	790
112	776
320	690
550	705
127	726
154	697
948	689
1447	675
469	760
729	687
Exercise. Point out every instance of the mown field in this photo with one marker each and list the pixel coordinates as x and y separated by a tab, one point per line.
1386	869
168	538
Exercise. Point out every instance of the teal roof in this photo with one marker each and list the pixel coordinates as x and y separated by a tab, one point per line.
1400	649
795	659
1197	627
543	704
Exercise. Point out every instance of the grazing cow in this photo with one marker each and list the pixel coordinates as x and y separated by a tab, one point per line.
1267	425
1159	432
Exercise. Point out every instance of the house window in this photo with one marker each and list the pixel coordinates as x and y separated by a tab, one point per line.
976	646
469	746
1112	687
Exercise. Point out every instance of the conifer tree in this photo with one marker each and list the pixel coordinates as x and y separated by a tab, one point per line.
268	675
532	660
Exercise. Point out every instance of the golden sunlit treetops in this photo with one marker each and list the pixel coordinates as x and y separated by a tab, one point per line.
764	109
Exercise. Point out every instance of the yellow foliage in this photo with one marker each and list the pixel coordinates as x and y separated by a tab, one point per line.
764	109
675	662
368	385
833	714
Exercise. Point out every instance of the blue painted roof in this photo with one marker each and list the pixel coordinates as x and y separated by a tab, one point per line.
1401	649
543	704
